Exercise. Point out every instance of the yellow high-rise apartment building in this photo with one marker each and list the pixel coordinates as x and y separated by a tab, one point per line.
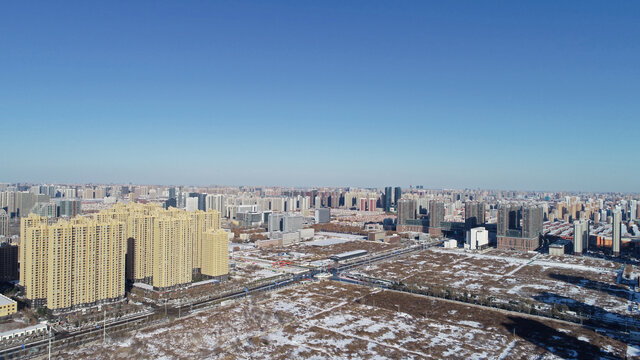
173	251
84	261
33	258
72	263
156	239
215	253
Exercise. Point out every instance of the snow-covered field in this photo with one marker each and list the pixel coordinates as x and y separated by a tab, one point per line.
330	320
585	283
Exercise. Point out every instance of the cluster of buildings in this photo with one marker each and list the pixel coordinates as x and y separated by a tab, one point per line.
86	260
68	260
22	203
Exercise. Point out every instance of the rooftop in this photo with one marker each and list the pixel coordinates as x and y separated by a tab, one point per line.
32	327
5	300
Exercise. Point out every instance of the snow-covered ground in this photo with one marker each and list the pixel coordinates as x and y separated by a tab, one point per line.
585	283
330	320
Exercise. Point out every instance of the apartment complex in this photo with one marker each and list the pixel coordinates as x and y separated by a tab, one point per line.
72	263
163	245
84	261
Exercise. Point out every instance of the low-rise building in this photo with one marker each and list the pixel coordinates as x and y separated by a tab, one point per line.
34	330
477	238
376	235
560	247
8	307
323	216
450	244
393	239
264	244
307	234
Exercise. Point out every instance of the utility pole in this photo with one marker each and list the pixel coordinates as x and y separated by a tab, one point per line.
104	327
49	342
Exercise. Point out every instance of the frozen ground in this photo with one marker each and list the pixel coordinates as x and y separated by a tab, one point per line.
580	283
332	320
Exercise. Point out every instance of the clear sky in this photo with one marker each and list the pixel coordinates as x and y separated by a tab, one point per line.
541	95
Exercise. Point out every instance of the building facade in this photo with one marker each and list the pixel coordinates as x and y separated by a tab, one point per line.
215	253
474	214
9	262
519	227
580	236
616	234
4	223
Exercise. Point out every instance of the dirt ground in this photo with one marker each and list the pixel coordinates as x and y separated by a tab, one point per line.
330	320
580	283
324	252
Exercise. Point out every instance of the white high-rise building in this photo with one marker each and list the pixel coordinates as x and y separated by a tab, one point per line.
192	204
580	236
305	202
291	204
277	204
616	231
477	238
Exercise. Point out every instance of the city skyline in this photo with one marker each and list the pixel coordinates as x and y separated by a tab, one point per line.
535	96
320	179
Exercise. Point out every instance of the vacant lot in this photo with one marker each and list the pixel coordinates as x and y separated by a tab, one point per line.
584	285
338	321
305	252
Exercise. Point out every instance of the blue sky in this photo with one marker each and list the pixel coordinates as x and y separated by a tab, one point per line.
540	95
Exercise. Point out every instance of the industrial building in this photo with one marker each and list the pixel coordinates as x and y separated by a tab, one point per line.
348	255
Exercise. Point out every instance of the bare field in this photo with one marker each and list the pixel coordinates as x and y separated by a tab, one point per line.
331	320
588	284
313	253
